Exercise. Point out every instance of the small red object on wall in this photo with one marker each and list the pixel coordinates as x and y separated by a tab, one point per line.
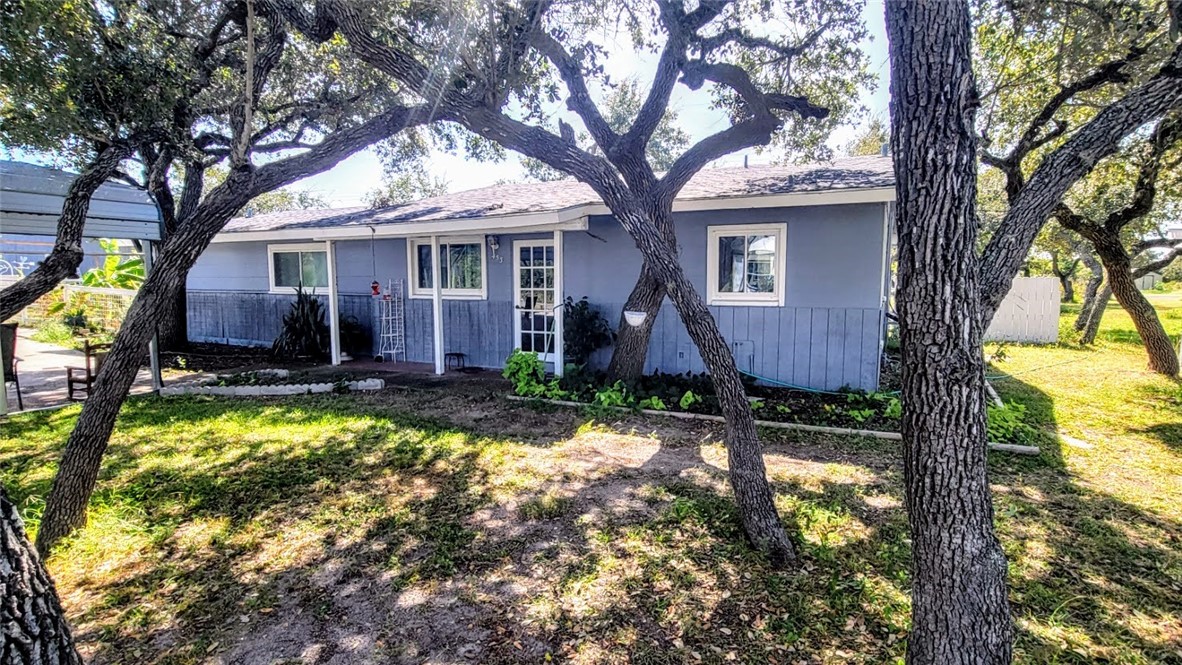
376	288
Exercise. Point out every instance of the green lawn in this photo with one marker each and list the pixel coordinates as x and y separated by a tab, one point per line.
456	526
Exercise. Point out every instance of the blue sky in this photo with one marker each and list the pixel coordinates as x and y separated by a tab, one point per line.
348	183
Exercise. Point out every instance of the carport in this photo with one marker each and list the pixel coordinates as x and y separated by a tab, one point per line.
31	199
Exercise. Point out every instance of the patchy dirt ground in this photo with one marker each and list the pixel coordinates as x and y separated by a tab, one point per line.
437	522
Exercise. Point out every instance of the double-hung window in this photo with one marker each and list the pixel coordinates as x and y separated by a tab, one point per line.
298	265
745	264
462	271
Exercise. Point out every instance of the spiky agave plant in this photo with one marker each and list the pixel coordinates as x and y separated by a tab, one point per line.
304	334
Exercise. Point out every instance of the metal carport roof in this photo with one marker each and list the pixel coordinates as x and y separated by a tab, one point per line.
31	200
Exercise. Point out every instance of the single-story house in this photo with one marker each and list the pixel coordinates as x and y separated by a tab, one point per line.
793	262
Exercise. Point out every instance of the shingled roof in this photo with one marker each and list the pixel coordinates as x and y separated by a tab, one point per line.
521	198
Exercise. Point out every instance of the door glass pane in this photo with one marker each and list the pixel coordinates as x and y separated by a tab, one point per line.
424	266
287	268
539	256
549	256
314	269
525	255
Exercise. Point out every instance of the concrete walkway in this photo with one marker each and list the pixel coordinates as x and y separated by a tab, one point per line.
42	372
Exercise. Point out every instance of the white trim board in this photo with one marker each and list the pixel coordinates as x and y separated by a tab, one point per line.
414	291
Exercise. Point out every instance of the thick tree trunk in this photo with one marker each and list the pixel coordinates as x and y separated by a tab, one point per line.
1068	288
65	509
748	474
173	326
631	345
1095	315
1094	281
66	256
960	611
34	627
1162	357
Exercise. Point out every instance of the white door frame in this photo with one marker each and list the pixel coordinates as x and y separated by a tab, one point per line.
557	265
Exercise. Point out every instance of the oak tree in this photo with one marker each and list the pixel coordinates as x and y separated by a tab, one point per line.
496	82
270	106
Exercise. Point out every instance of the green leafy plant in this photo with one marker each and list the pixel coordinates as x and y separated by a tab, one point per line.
1007	424
584	330
861	415
653	403
783	409
688	399
526	372
757	405
115	272
304	334
894	409
615	395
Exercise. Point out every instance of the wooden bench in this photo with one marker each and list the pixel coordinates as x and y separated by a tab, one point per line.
81	379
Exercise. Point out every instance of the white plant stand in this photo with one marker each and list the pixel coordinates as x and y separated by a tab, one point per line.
392	324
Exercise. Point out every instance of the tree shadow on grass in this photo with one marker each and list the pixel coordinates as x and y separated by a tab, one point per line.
1091	576
378	540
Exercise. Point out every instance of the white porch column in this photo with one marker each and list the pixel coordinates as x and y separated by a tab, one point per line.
334	322
559	358
154	344
437	305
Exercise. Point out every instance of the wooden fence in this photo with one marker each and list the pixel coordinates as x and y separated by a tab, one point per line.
1029	313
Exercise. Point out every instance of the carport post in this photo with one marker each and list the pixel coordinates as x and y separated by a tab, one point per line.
334	320
154	344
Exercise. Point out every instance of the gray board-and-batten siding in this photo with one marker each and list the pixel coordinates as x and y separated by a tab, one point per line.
827	335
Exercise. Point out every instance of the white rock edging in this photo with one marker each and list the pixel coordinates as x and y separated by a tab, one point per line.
892	436
278	390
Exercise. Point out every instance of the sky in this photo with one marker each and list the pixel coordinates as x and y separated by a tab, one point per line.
348	183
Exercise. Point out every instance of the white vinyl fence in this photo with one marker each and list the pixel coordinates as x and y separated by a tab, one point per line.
1029	313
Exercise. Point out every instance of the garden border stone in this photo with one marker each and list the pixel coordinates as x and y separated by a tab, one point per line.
276	390
892	436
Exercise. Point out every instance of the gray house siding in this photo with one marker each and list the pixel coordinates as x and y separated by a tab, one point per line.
826	335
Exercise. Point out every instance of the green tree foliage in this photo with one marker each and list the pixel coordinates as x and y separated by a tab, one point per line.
405	185
872	138
620	107
116	271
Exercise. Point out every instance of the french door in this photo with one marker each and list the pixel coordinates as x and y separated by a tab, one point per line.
534	293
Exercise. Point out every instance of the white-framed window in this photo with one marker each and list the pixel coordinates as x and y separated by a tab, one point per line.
745	264
290	266
462	268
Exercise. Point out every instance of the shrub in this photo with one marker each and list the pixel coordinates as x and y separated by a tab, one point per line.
304	333
526	372
1007	424
584	330
615	395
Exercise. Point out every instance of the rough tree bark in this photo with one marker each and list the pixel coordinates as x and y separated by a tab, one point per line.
1065	276
1121	282
1033	200
33	625
66	255
1093	285
631	346
748	474
65	508
1095	315
960	612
